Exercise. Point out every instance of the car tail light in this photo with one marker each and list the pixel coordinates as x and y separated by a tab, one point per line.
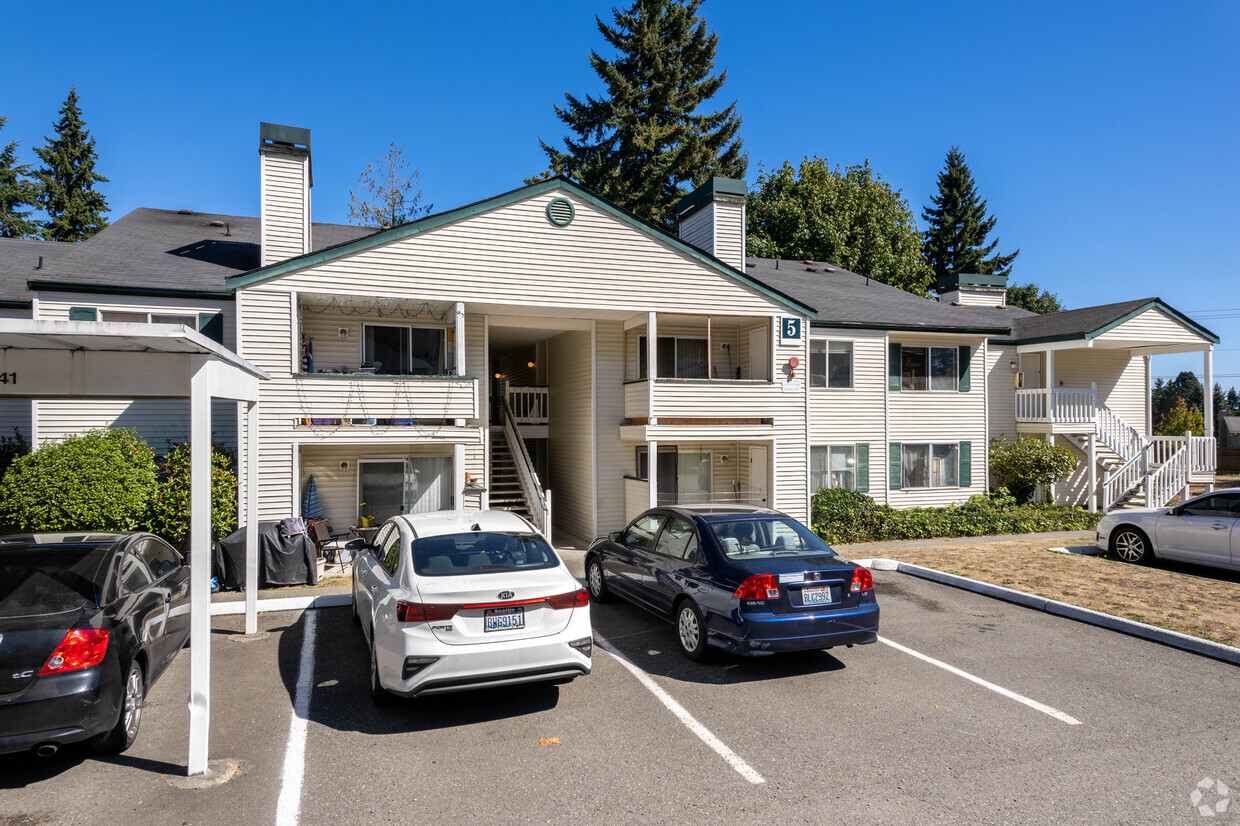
759	586
81	648
573	599
862	580
407	611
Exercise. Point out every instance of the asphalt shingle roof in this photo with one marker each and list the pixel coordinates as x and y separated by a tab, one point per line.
1075	323
20	261
851	300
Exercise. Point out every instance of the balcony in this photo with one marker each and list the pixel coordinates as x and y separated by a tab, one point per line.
327	399
1069	406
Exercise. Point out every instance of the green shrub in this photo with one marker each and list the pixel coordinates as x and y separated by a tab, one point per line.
841	516
10	448
170	506
101	480
1025	463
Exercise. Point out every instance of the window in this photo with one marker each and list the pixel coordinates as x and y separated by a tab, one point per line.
767	536
640	534
678	540
404	351
134	574
929	368
160	558
149	318
675	358
830	364
481	553
930	465
833	467
693	476
1222	506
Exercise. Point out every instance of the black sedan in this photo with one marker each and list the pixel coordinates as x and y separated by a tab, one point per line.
747	580
88	622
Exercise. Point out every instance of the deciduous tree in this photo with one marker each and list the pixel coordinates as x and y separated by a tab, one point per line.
386	196
1030	297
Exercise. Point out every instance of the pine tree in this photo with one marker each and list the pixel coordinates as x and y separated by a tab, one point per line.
643	142
16	193
957	226
67	180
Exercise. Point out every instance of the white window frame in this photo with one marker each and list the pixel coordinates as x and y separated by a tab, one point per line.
930	446
930	348
150	314
446	347
826	354
852	449
641	363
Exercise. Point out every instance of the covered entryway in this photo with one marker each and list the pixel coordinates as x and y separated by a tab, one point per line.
113	360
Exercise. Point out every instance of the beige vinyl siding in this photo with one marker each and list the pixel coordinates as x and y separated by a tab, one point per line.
1120	378
570	463
55	306
15	414
1000	382
1152	327
637	400
706	399
976	298
730	233
159	422
636	499
381	397
842	416
285	185
614	458
790	450
699	228
514	256
939	417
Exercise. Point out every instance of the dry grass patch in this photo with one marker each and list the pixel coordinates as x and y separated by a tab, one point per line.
1178	602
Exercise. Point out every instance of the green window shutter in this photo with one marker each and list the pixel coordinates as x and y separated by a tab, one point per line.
893	464
893	366
965	352
966	464
863	467
83	314
211	325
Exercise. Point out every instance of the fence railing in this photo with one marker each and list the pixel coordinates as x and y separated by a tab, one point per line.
1117	434
538	499
528	404
744	496
1126	478
1060	405
1165	483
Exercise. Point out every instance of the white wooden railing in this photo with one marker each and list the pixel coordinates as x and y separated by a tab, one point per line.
1126	478
1179	457
1117	434
1165	483
528	404
538	499
1058	405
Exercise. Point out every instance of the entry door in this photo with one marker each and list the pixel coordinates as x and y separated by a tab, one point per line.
759	360
758	472
1031	366
382	487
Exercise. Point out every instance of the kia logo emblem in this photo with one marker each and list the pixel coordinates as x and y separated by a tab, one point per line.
506	595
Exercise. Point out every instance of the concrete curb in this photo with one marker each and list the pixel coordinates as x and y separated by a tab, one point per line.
1184	642
283	604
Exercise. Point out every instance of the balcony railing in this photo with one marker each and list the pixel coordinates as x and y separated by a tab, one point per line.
528	404
1057	405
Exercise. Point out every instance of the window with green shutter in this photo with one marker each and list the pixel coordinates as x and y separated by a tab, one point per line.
863	467
966	464
965	352
83	314
893	464
893	366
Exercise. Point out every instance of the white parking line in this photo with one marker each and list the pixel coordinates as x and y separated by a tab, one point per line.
1012	695
744	769
288	809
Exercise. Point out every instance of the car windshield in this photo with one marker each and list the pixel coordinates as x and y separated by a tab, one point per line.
767	536
44	579
481	553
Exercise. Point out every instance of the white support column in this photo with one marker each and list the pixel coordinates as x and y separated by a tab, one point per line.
458	476
652	363
652	470
1149	399
200	568
1208	358
458	347
251	518
1050	385
1093	472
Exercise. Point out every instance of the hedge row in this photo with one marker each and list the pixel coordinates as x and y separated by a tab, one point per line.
842	516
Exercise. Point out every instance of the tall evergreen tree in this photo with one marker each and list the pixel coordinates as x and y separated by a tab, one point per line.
643	142
957	226
17	192
67	179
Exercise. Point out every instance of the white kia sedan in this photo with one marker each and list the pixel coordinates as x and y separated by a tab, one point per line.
457	601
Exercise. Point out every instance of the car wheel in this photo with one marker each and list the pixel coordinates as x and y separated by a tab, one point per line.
125	731
378	693
690	630
595	582
1131	545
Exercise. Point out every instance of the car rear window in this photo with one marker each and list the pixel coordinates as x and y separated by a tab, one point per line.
481	553
767	536
42	579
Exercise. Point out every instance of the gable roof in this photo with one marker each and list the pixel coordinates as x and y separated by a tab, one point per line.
1091	322
20	260
846	299
387	236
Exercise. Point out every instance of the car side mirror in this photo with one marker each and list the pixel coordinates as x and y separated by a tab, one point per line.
614	536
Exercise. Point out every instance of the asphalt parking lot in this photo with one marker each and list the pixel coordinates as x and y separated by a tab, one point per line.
1094	727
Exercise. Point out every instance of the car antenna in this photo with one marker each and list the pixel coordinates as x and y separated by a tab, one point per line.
476	528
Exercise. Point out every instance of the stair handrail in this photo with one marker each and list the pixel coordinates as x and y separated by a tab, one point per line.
1118	434
1169	479
526	472
1126	478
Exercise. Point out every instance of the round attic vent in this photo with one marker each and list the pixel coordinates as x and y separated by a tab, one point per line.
560	212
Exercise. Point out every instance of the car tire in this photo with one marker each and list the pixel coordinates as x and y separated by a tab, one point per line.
123	734
595	583
378	693
690	630
1131	545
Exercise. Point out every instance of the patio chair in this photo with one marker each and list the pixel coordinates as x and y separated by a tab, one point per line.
328	544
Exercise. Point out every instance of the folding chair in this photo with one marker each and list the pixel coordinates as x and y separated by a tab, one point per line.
328	544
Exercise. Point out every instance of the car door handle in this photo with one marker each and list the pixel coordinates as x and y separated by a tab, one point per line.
374	587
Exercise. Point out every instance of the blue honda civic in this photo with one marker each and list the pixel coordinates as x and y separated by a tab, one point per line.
748	580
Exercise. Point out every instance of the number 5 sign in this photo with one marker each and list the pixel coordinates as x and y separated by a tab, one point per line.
790	329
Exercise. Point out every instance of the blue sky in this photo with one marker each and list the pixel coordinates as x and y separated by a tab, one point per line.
1103	135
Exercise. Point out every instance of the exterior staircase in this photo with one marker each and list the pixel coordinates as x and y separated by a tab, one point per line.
506	492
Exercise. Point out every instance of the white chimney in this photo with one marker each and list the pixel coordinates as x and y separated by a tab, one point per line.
972	290
285	179
712	218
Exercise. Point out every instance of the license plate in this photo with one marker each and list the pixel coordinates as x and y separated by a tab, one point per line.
815	596
503	619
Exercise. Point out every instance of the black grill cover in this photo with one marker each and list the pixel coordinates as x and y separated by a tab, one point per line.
282	560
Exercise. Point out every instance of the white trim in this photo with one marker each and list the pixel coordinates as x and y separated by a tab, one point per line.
484	413
887	391
458	477
652	368
296	449
295	339
34	304
985	376
594	426
852	363
442	327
